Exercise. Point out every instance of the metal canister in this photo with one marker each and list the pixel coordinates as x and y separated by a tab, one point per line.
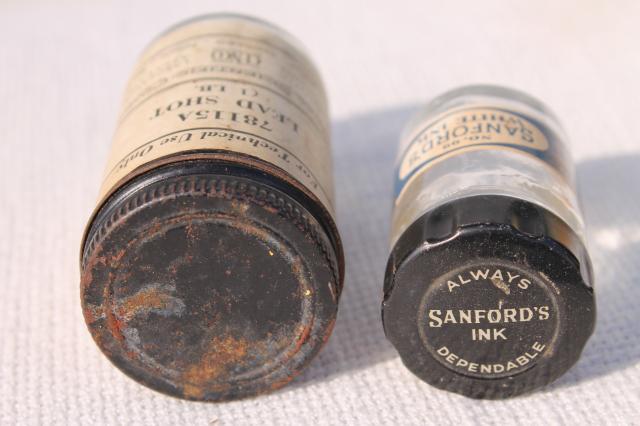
211	267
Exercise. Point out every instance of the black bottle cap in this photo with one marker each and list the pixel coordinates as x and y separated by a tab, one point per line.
210	281
488	296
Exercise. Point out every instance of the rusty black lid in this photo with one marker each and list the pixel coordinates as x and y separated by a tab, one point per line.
210	281
488	296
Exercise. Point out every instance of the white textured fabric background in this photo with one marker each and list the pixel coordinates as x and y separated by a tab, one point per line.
63	67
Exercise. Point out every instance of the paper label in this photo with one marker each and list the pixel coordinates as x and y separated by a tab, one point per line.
466	129
489	320
460	131
230	85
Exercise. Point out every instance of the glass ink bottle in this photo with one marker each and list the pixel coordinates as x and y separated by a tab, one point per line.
488	289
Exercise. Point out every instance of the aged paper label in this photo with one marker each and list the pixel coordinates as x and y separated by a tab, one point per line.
225	84
455	132
468	128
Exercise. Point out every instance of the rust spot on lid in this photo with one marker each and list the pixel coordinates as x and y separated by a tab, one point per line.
86	277
148	299
221	355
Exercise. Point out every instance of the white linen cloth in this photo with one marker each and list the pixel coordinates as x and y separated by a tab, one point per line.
63	68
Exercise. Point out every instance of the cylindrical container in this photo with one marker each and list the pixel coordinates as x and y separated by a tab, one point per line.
212	266
488	290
